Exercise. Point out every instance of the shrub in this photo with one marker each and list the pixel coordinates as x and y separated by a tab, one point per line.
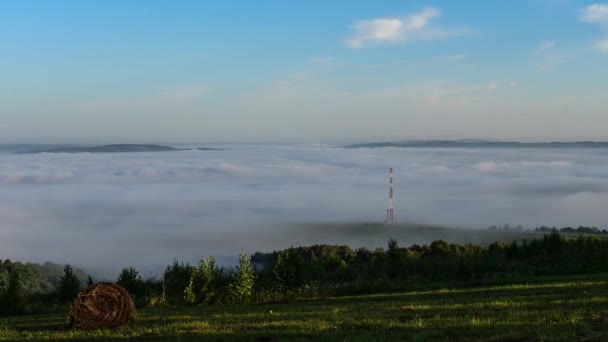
243	279
203	286
156	301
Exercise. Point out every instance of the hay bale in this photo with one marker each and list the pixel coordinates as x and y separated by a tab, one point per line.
102	305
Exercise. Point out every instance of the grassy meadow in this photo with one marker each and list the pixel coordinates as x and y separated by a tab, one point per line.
554	309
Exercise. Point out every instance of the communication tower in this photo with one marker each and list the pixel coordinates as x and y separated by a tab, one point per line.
390	219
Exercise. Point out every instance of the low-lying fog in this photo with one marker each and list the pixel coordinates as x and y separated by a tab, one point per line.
145	209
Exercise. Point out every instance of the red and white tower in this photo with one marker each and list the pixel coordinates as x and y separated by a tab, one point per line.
391	204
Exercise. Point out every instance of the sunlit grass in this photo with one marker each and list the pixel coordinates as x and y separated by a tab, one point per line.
570	309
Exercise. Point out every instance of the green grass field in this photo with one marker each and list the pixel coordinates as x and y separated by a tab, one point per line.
561	309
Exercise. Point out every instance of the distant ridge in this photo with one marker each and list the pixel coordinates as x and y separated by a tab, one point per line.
480	144
116	148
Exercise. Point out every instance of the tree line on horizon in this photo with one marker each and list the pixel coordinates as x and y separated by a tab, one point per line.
546	229
329	270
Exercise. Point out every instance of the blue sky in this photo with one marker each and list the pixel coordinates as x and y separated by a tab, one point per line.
311	71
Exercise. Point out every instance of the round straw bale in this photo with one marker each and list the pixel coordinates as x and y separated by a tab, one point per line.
102	305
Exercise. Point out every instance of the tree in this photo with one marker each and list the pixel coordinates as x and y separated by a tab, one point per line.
90	281
131	281
243	279
203	285
69	285
440	248
393	258
8	264
287	270
175	280
13	300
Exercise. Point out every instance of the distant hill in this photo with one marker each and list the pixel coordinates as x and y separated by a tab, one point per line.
479	144
116	148
13	148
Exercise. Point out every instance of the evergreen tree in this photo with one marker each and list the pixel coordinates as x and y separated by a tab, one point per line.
131	281
90	281
175	280
69	286
393	256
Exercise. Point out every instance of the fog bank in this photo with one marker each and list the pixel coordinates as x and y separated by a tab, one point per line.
112	210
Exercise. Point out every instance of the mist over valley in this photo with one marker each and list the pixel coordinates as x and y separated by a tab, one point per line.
98	210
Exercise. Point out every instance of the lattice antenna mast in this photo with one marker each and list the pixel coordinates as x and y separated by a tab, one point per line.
390	219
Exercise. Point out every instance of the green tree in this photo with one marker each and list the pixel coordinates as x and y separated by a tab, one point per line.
12	300
203	286
243	280
131	281
90	281
175	280
69	285
287	270
393	256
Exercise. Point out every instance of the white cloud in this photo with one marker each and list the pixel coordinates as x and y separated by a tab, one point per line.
38	177
598	14
440	169
603	45
414	27
322	60
595	14
457	57
460	93
182	94
486	166
550	64
549	58
545	46
550	5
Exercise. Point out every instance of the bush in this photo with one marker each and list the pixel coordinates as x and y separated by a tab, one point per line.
203	286
156	301
243	279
